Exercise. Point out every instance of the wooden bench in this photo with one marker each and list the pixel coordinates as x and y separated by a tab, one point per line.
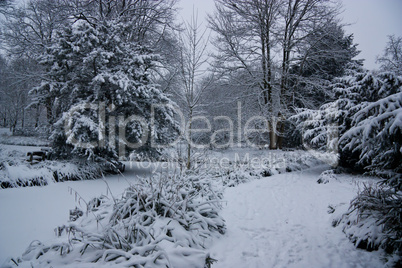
38	156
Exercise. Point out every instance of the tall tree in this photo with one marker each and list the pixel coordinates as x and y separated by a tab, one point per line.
193	59
27	30
267	32
14	88
103	93
30	28
322	56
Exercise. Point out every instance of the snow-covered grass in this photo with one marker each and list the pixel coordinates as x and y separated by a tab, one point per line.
273	219
164	221
374	219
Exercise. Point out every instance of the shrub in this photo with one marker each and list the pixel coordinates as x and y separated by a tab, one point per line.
374	219
160	222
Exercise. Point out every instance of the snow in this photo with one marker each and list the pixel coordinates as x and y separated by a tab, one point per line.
277	221
7	138
32	213
282	221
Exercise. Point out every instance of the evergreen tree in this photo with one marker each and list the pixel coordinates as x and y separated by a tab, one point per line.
376	132
367	114
98	81
325	55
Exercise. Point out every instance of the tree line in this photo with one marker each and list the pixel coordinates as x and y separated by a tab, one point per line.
271	58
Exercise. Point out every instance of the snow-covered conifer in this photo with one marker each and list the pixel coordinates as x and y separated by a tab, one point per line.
368	117
99	82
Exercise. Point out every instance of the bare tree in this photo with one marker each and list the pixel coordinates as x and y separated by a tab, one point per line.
14	93
391	60
29	28
261	37
193	59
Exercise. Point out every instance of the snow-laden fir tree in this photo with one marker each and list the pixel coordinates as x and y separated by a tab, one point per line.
376	128
98	81
367	113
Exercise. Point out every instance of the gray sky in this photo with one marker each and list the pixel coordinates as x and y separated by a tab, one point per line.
372	21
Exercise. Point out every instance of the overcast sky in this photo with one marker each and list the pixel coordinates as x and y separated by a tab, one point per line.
372	21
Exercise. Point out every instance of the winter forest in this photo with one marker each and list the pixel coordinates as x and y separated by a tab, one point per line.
253	137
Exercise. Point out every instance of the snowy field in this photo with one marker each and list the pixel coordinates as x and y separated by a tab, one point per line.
276	221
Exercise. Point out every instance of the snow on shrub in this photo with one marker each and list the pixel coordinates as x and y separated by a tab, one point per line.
326	177
236	177
159	222
374	219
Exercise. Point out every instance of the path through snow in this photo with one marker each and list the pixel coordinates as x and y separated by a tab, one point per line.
282	221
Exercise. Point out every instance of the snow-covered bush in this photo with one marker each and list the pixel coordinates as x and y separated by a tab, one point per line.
263	166
160	222
374	219
326	177
368	119
377	136
238	176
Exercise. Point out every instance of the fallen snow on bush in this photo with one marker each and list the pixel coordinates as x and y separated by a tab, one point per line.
326	177
16	171
41	174
374	219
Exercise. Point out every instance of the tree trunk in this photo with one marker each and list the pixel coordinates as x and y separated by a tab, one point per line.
272	136
37	115
280	137
23	118
49	112
189	141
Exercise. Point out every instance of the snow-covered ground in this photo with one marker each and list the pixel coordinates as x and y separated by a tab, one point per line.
6	137
283	221
277	221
